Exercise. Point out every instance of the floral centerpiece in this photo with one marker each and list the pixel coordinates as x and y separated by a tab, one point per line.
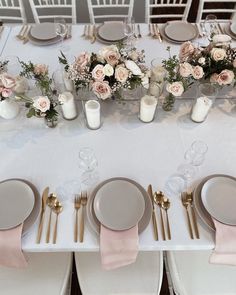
107	72
42	105
7	84
215	63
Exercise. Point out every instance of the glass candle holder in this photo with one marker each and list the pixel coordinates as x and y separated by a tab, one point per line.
203	104
148	106
92	113
68	105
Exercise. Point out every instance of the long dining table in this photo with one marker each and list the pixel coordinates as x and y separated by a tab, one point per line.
124	146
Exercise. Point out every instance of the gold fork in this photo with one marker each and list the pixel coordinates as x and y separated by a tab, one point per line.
189	198
186	204
84	199
77	204
25	37
22	32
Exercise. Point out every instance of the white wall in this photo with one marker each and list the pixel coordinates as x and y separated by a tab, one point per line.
82	11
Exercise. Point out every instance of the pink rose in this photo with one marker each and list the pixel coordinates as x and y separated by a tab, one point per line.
234	63
121	74
218	54
185	69
101	89
41	103
111	54
40	69
175	88
6	92
82	60
198	72
7	81
213	78
98	73
225	77
186	50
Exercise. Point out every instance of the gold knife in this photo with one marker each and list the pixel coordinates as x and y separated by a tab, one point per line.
44	204
154	219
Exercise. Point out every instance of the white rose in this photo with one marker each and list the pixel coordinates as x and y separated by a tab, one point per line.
108	70
218	54
98	73
7	81
41	103
131	65
198	72
121	74
65	97
185	69
202	60
175	88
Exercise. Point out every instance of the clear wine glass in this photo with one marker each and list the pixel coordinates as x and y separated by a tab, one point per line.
88	163
195	155
61	30
210	25
175	184
129	30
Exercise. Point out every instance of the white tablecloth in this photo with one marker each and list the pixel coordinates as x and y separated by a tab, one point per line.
147	153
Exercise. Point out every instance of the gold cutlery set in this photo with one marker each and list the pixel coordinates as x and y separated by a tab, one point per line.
23	34
51	201
89	33
80	201
187	202
154	32
159	199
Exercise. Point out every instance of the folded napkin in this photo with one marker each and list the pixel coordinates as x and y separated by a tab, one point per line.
11	254
225	240
118	248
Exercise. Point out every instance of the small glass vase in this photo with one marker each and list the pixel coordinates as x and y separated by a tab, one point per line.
9	109
51	122
168	103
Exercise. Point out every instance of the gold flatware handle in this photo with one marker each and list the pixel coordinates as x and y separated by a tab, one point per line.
154	222
189	225
76	227
158	33
21	33
168	226
81	234
162	225
55	231
49	227
195	222
40	228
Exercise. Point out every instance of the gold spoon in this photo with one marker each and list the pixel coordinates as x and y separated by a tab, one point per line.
158	199
51	200
57	208
166	205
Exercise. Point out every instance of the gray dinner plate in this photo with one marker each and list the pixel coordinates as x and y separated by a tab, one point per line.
43	31
112	31
94	223
180	31
37	42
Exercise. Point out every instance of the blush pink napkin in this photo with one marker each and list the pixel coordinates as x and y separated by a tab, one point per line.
11	254
225	240
118	248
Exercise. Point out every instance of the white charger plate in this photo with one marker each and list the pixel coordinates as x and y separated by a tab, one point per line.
43	31
94	223
119	204
111	31
16	203
180	31
37	42
219	198
228	31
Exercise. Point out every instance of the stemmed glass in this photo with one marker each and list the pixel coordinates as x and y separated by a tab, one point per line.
88	163
129	30
61	30
210	26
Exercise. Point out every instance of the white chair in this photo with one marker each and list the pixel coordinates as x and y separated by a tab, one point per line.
144	277
47	274
102	9
167	5
191	274
48	9
12	10
203	10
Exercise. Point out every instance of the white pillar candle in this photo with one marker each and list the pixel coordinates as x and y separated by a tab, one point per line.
68	82
147	108
92	111
200	109
68	105
21	86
